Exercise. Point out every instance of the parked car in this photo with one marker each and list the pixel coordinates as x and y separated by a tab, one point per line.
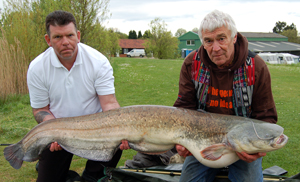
136	52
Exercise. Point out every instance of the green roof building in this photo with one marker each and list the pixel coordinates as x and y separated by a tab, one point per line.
188	42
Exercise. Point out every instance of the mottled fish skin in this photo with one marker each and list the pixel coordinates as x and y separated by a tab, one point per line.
211	138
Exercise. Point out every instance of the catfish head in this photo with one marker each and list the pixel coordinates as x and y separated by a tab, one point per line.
256	136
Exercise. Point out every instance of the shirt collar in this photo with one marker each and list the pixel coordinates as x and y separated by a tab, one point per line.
56	63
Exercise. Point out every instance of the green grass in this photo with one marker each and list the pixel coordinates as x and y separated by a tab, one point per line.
152	81
286	93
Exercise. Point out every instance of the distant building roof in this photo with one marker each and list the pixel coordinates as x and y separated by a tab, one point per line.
260	46
132	43
261	35
189	35
269	42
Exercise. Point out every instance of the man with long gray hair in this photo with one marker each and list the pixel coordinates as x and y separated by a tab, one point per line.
223	76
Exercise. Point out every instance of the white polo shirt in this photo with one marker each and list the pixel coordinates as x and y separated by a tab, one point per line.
74	92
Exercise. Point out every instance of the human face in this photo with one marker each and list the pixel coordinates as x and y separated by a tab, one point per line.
219	45
64	41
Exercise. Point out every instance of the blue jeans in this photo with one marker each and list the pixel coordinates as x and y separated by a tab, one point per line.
240	171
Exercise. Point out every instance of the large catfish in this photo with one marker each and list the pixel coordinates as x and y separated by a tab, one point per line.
211	138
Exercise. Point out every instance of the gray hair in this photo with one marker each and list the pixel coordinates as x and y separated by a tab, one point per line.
217	19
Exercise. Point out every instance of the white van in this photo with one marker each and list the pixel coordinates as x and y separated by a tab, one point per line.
136	52
271	58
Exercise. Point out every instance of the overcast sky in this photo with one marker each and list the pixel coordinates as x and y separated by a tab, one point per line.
249	15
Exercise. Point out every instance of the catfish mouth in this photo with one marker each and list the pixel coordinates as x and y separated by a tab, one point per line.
280	141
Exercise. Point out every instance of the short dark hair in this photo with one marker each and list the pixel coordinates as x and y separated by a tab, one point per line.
59	18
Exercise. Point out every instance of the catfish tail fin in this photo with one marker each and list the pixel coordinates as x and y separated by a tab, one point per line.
14	155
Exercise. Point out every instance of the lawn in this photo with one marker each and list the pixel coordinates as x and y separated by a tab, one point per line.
151	81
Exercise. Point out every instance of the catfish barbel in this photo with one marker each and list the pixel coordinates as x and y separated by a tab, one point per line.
211	138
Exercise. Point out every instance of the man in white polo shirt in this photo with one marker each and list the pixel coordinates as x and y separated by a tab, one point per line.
69	79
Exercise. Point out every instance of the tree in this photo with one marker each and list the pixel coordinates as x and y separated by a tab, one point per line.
147	34
289	31
86	13
161	43
25	20
114	42
180	32
292	35
140	35
122	35
281	26
195	30
132	34
107	43
290	27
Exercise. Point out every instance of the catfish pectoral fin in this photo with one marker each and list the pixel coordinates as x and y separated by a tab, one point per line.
213	152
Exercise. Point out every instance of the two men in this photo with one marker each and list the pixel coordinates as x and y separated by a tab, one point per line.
72	79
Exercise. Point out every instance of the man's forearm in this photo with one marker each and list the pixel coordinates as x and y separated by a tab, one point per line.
108	102
42	114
